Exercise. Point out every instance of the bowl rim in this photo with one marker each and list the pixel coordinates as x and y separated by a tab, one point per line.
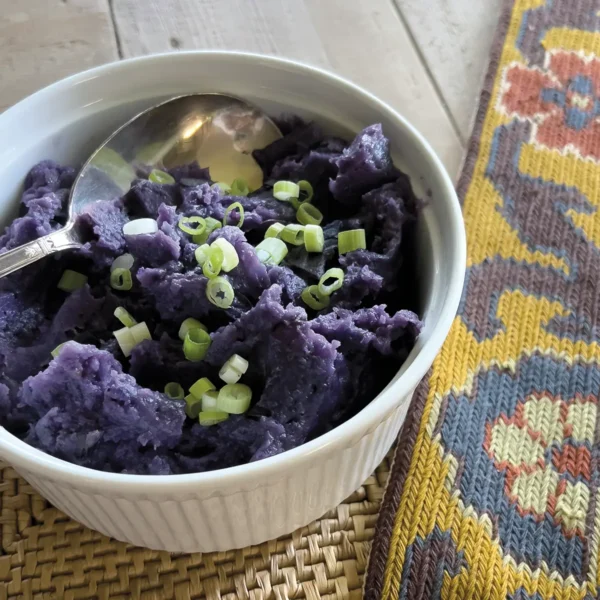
21	454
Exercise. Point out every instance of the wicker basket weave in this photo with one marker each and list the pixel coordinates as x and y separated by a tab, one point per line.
45	554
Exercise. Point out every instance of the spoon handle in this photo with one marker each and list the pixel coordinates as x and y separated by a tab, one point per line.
24	255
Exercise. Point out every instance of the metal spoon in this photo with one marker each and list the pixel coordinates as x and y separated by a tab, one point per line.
216	130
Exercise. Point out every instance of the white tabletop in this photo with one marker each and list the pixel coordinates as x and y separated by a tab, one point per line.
425	57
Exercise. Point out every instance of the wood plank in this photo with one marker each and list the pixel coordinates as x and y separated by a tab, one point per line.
454	39
44	40
368	44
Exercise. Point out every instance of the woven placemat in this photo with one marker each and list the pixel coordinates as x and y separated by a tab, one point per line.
45	554
495	489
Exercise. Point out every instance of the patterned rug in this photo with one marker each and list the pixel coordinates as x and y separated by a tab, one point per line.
494	492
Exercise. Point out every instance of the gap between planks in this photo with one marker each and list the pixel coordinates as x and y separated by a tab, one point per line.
369	44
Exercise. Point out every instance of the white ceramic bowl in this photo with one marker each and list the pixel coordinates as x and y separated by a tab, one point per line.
251	503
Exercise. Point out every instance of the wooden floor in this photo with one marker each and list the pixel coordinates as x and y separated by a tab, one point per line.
425	57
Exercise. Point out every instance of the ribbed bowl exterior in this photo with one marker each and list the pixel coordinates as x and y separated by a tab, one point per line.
207	523
247	504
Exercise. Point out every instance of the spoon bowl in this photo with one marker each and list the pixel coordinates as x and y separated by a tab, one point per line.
217	131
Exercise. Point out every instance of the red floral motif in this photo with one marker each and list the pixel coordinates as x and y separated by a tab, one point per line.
543	449
562	101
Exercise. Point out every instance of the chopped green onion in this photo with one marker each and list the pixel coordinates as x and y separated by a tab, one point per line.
307	188
125	340
211	417
140	333
224	187
351	240
211	225
196	344
230	256
335	276
213	263
293	234
174	391
71	281
314	240
125	261
198	229
124	316
57	350
286	190
313	298
140	227
193	406
233	369
220	292
308	214
274	230
158	176
201	254
235	206
120	279
271	251
189	324
234	398
202	386
209	400
239	187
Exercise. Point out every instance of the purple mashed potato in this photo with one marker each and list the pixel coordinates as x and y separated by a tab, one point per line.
309	371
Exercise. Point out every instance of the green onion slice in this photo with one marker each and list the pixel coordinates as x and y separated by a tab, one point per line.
174	391
308	214
140	332
140	227
158	176
201	254
239	187
293	234
286	190
331	281
230	256
57	350
209	400
314	240
274	230
235	206
120	279
125	340
233	369
192	225
196	344
307	188
214	261
222	186
71	281
202	386
125	261
271	251
220	292
124	316
193	406
351	240
313	298
212	417
234	398
211	225
189	324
